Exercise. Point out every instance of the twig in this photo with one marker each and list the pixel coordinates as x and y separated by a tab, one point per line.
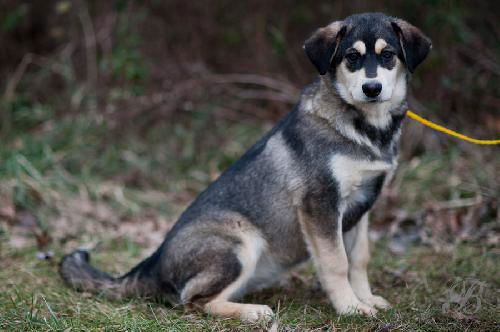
265	95
458	203
30	58
90	45
18	74
11	89
285	88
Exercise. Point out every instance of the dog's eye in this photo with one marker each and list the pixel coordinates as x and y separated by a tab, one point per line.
387	55
352	57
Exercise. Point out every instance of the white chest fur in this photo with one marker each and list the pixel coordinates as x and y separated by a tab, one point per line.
350	173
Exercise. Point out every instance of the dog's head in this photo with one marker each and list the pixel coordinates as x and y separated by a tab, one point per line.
368	57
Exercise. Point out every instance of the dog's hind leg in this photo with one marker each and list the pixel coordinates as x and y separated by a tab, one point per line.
357	247
246	255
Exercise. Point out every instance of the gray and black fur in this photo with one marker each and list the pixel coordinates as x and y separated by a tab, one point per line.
300	191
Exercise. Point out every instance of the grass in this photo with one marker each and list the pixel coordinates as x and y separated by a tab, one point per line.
71	183
417	283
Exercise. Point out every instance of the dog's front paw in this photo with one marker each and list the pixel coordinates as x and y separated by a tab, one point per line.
357	307
377	301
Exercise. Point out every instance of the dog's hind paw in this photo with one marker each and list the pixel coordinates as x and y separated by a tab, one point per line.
255	312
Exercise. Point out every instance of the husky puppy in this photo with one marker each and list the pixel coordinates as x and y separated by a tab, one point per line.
303	190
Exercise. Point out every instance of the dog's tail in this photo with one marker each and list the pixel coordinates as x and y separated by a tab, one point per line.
141	281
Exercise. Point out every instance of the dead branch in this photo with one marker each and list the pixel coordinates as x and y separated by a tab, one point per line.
285	88
264	95
90	44
11	89
458	203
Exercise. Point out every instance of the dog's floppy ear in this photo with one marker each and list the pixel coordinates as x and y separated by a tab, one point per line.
414	43
322	45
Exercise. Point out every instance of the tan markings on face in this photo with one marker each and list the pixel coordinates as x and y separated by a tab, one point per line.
349	86
380	44
360	47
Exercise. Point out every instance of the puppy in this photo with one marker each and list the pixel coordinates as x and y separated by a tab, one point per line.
303	190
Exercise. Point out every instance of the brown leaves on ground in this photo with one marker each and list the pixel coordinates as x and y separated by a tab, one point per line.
441	201
440	224
78	220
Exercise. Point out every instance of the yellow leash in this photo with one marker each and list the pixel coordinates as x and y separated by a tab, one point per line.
448	131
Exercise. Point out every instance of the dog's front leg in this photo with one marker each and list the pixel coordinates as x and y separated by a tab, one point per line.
326	246
358	253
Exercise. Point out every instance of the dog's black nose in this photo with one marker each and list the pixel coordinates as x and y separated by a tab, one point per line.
372	89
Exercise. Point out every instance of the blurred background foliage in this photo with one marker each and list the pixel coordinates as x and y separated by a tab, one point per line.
115	114
161	96
97	54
